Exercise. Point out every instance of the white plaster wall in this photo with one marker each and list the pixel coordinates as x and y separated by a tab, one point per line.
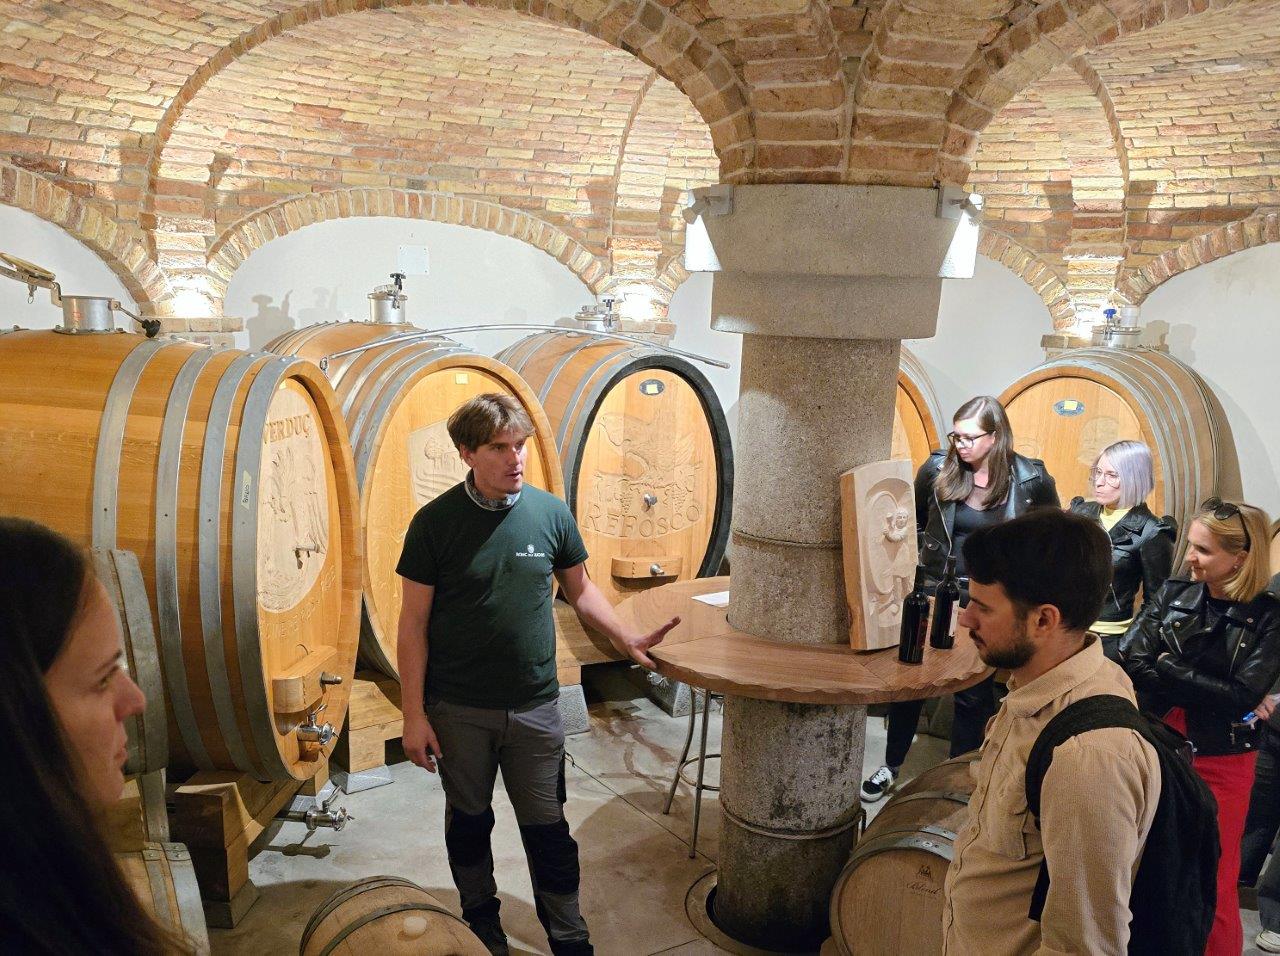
690	310
1223	319
78	269
989	330
323	272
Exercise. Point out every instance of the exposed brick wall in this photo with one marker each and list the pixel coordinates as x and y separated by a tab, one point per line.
92	224
1108	135
1255	230
239	241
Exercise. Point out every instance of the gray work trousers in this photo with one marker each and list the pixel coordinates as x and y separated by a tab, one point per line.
528	746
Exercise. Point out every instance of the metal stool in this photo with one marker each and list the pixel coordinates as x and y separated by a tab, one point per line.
700	760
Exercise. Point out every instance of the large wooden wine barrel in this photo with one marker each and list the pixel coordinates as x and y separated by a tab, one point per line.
916	418
397	398
389	916
888	899
164	880
648	465
228	474
1070	408
121	575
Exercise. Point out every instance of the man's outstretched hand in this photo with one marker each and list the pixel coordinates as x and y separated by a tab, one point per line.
637	648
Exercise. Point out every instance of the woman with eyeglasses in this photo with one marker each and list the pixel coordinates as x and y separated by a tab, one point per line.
1204	654
980	480
1141	544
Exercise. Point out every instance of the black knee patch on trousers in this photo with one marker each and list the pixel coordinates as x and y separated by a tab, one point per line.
466	836
553	856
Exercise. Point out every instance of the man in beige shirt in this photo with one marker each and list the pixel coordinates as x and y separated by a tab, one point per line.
1036	583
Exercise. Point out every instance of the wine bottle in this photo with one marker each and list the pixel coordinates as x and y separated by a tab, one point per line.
915	622
942	632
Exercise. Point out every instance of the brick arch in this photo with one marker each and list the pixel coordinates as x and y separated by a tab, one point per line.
1025	51
85	219
641	27
238	242
1256	230
1026	265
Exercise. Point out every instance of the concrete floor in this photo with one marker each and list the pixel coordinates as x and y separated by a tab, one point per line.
635	867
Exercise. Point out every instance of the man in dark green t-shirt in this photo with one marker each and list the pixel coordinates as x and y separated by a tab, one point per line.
477	658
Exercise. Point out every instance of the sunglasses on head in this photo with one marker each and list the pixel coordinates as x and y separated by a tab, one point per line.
1224	510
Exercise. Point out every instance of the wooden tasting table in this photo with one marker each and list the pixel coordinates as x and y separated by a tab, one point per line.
705	651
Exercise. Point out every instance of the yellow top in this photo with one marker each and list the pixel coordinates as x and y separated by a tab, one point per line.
1110	518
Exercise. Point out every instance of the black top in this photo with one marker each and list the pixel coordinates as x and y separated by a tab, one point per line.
1215	659
491	636
1030	485
967	521
1141	557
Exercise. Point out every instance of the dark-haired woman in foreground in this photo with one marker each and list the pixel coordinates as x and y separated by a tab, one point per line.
64	697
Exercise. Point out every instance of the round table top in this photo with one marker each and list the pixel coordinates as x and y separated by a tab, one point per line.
704	650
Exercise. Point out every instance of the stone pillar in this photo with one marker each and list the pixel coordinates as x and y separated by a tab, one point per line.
824	282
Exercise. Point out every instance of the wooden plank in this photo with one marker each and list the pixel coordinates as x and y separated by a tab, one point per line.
298	687
375	699
729	661
651	567
653	608
576	643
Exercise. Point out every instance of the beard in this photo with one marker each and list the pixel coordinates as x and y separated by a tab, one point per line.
1019	651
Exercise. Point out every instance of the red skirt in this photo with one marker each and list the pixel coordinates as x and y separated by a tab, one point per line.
1230	778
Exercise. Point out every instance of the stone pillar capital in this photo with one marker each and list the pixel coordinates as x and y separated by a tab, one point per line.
831	261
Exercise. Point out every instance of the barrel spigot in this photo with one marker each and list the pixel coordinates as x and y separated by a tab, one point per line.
320	816
313	733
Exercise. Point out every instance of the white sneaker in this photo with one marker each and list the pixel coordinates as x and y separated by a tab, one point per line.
878	784
1268	941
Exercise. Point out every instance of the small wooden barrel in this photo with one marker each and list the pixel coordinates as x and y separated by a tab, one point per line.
648	465
1069	409
121	575
164	880
389	916
397	398
888	899
916	417
229	475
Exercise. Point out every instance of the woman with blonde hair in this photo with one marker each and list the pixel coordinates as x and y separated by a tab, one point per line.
1205	653
1123	475
64	700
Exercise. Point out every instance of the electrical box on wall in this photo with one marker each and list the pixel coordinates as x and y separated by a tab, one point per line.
413	261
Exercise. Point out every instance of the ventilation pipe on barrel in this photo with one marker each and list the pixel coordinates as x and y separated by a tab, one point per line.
386	302
80	313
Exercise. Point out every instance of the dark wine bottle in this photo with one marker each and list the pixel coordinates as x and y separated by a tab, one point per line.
942	634
915	623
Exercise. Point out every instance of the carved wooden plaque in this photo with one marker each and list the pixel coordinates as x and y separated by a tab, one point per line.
293	512
878	529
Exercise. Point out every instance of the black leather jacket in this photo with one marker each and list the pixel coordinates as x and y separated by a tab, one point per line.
1141	554
1031	485
1217	674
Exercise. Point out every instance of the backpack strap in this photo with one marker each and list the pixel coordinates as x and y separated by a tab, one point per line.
1090	713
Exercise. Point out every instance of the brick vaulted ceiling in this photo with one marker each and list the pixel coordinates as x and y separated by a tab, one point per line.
1118	141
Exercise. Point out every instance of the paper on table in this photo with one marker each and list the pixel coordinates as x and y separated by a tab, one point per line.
715	599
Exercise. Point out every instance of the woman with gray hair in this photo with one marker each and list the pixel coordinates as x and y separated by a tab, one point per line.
1141	544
